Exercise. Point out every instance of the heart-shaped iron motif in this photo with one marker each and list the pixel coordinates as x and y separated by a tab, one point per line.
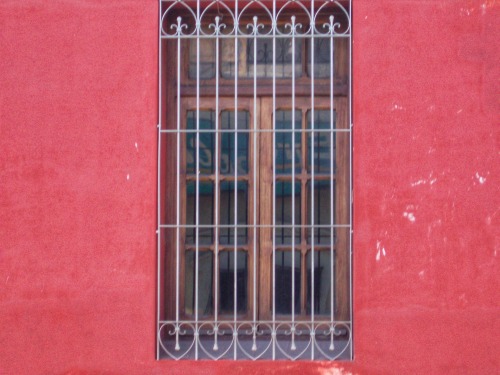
254	340
176	339
216	339
297	338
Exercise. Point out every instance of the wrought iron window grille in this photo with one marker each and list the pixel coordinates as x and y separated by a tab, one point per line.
254	180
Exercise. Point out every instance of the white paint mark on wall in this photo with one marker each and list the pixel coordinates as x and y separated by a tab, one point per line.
136	146
459	111
397	107
419	182
128	177
380	251
334	371
465	11
409	216
423	181
421	274
480	178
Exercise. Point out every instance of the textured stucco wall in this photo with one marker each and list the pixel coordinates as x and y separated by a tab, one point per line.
78	113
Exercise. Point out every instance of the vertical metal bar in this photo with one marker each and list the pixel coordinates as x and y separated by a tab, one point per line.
350	177
197	245
312	173
332	179
273	115
158	209
254	165
178	194
293	184
235	164
216	172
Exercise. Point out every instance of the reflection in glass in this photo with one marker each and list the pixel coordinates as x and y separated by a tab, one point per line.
322	275
206	212
283	213
206	57
204	280
284	150
207	145
263	59
322	142
322	57
226	235
322	207
228	143
226	281
283	274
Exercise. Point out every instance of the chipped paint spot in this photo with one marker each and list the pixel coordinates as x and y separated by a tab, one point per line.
409	216
334	371
421	274
419	182
136	146
481	179
128	177
380	251
397	107
424	181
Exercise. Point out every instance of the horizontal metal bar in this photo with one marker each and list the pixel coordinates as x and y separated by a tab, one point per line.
232	131
249	36
208	226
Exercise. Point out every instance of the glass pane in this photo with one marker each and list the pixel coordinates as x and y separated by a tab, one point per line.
207	143
204	279
226	235
322	142
323	273
263	59
283	273
322	210
206	212
228	143
206	58
284	152
322	57
226	281
284	212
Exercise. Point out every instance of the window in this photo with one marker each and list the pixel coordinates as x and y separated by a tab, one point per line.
254	182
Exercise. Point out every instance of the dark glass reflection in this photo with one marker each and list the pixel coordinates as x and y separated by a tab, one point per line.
322	58
322	141
322	276
204	278
206	197
284	150
322	210
207	143
263	59
226	281
283	213
226	235
283	273
206	57
228	143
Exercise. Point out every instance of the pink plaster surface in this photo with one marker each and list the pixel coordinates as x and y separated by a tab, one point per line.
78	115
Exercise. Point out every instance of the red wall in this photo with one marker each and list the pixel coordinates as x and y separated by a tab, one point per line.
78	113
